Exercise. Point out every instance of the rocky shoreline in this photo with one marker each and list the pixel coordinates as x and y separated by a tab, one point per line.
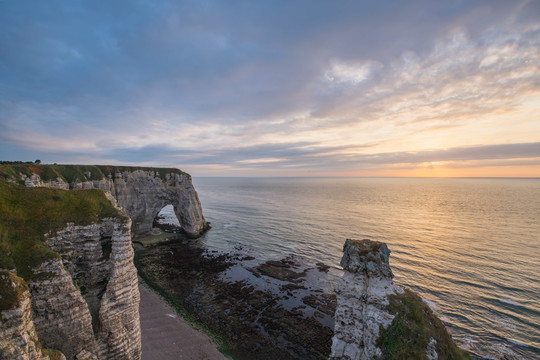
262	310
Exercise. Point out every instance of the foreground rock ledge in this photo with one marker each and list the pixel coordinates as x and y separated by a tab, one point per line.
376	319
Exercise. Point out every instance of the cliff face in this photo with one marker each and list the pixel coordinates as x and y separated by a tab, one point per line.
140	192
67	278
376	319
101	314
142	195
18	337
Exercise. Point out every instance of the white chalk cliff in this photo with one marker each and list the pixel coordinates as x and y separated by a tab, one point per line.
84	303
81	301
141	194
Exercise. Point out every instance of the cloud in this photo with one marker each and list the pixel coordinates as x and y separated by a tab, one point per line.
489	152
353	74
299	84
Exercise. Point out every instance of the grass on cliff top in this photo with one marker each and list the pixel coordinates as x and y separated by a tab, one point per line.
413	326
364	246
71	173
27	214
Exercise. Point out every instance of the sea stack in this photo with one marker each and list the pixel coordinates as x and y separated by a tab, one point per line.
376	319
362	300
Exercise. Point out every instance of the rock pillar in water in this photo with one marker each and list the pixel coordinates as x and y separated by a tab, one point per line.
362	298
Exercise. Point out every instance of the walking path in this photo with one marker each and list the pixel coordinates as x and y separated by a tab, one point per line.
166	336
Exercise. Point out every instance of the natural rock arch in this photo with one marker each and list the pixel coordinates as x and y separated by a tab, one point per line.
142	195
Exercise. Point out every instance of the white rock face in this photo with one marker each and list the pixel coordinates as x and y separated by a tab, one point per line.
99	259
85	302
431	351
61	316
35	180
362	298
17	332
142	195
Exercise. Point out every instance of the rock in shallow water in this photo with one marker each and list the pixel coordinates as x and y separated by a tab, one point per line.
362	300
376	319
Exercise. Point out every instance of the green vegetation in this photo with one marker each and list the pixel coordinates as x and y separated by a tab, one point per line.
72	173
27	214
365	246
11	289
409	333
52	354
190	318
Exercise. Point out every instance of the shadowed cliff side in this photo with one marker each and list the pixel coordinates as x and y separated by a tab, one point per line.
376	319
141	192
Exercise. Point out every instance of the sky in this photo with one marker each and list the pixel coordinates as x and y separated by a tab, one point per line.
274	88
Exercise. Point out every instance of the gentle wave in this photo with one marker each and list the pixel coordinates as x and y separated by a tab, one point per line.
510	301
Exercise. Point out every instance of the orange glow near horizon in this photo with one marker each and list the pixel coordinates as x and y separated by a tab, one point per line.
431	170
483	171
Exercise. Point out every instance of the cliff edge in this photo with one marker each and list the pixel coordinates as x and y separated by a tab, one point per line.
68	286
141	192
376	319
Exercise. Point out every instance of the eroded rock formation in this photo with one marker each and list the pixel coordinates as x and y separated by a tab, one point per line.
376	319
68	285
18	337
140	193
84	302
362	299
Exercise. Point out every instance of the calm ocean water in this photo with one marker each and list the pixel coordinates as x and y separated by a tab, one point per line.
469	247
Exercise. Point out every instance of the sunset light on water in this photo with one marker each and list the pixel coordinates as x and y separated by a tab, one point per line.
306	132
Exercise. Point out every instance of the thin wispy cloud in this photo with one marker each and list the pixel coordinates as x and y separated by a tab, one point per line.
273	88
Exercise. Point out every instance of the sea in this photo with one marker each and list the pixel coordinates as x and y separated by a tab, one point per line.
469	247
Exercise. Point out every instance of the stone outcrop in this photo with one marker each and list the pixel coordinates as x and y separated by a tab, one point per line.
100	315
84	302
362	298
376	319
68	285
18	337
141	194
61	316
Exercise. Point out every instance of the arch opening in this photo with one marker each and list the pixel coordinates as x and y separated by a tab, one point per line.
167	220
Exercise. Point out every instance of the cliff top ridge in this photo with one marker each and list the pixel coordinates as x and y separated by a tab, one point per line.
72	173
